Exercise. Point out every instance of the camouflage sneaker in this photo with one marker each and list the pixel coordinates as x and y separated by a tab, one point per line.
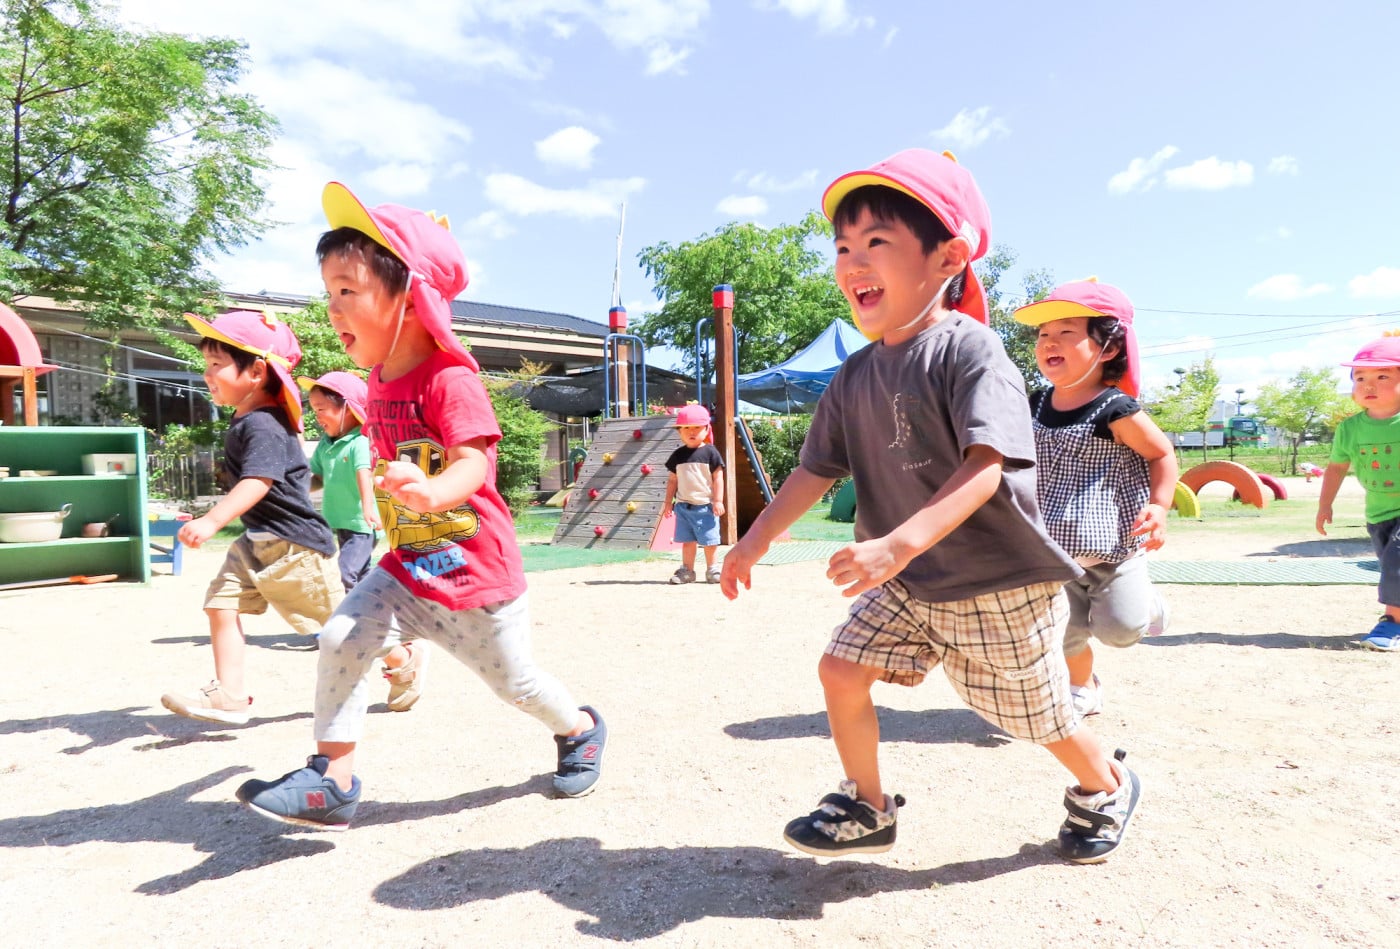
842	824
213	703
1097	823
406	681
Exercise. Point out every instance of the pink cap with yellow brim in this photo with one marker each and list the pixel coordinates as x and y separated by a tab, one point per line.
437	268
1089	298
946	188
347	385
266	337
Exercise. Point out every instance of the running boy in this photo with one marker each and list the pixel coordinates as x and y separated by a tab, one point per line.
283	557
1105	472
341	462
1370	440
454	573
951	563
695	493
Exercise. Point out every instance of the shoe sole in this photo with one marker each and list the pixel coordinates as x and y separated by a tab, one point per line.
841	851
1375	647
296	821
573	797
204	714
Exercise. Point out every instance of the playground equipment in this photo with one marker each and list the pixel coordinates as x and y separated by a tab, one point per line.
614	502
1185	502
1249	487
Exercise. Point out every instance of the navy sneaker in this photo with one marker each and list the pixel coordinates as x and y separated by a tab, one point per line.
1385	637
842	823
1097	823
305	797
580	758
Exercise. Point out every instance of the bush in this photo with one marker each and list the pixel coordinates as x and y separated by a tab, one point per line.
778	441
520	452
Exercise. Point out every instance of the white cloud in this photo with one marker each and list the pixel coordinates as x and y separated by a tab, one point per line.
1210	174
763	181
1141	173
1285	287
661	58
397	180
831	16
748	206
489	225
1382	283
889	37
1283	233
970	129
571	147
1283	165
516	195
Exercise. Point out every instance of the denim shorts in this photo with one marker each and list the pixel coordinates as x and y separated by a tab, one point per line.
696	524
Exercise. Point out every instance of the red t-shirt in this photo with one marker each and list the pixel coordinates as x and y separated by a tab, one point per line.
466	557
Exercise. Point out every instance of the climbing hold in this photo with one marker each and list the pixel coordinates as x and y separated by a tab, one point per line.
636	433
631	507
646	469
598	531
592	494
607	457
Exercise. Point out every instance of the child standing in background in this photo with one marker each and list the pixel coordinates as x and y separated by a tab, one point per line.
695	493
1106	473
283	557
341	462
1370	440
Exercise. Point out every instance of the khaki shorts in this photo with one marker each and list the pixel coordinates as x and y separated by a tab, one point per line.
301	584
1000	651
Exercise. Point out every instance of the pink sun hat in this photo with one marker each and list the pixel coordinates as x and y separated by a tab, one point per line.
692	415
347	385
1090	298
266	337
946	188
437	269
1376	354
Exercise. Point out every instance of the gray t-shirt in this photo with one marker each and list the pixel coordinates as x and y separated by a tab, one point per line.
899	419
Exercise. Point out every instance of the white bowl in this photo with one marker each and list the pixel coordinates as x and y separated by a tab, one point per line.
33	527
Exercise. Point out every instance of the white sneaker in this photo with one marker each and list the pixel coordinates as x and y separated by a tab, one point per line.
1087	699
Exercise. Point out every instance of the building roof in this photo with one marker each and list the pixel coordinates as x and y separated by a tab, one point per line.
477	312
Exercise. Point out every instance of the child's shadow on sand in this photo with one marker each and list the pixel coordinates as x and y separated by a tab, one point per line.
234	838
643	892
928	727
289	642
111	726
1261	640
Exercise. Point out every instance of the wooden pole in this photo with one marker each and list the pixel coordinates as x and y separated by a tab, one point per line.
726	439
617	322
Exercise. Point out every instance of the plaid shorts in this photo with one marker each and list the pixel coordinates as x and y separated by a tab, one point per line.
1001	651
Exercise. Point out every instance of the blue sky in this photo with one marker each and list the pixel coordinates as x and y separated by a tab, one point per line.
1233	167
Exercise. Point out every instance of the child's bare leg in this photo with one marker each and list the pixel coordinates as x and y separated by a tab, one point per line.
1081	666
399	655
710	556
688	554
342	761
226	636
1392	613
854	725
1081	754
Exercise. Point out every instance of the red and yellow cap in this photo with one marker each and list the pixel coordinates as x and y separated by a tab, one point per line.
1090	298
265	336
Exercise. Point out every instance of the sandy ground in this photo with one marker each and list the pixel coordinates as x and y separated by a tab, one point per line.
1267	742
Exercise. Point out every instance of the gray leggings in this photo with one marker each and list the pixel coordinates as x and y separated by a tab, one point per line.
1114	603
493	641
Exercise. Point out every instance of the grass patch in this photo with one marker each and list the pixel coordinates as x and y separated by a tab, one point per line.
1295	520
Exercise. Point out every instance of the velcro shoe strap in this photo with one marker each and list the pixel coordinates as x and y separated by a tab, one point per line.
1085	819
846	809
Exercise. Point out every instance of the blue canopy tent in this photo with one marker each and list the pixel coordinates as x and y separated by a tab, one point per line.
796	384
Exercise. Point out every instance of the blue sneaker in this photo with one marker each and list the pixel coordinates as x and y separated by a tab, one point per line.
580	758
305	797
1385	637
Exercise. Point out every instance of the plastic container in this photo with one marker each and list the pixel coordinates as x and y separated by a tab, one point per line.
33	527
101	464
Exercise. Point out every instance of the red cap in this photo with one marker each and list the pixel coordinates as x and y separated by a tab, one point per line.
692	415
939	183
1092	299
347	385
1382	352
437	269
266	337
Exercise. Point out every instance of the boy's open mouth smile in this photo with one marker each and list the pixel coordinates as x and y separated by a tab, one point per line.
867	295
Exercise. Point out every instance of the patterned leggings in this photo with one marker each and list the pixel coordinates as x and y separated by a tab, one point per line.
493	641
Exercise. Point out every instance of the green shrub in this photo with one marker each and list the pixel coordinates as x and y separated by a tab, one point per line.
520	452
778	441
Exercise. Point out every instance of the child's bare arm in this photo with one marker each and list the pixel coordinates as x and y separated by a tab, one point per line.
671	483
866	565
1142	435
717	492
464	476
246	493
799	492
364	479
1331	483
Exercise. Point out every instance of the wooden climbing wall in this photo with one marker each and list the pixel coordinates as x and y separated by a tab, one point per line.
628	444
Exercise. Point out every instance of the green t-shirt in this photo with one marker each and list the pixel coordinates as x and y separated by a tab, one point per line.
335	462
1372	447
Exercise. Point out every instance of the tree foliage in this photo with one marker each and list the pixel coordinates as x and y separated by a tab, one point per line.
1187	406
1306	406
128	160
784	294
1018	339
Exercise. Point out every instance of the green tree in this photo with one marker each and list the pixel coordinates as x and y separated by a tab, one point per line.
1306	406
128	160
784	294
1187	406
1018	339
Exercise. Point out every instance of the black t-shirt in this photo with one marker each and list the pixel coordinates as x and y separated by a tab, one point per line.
260	445
694	469
1049	416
